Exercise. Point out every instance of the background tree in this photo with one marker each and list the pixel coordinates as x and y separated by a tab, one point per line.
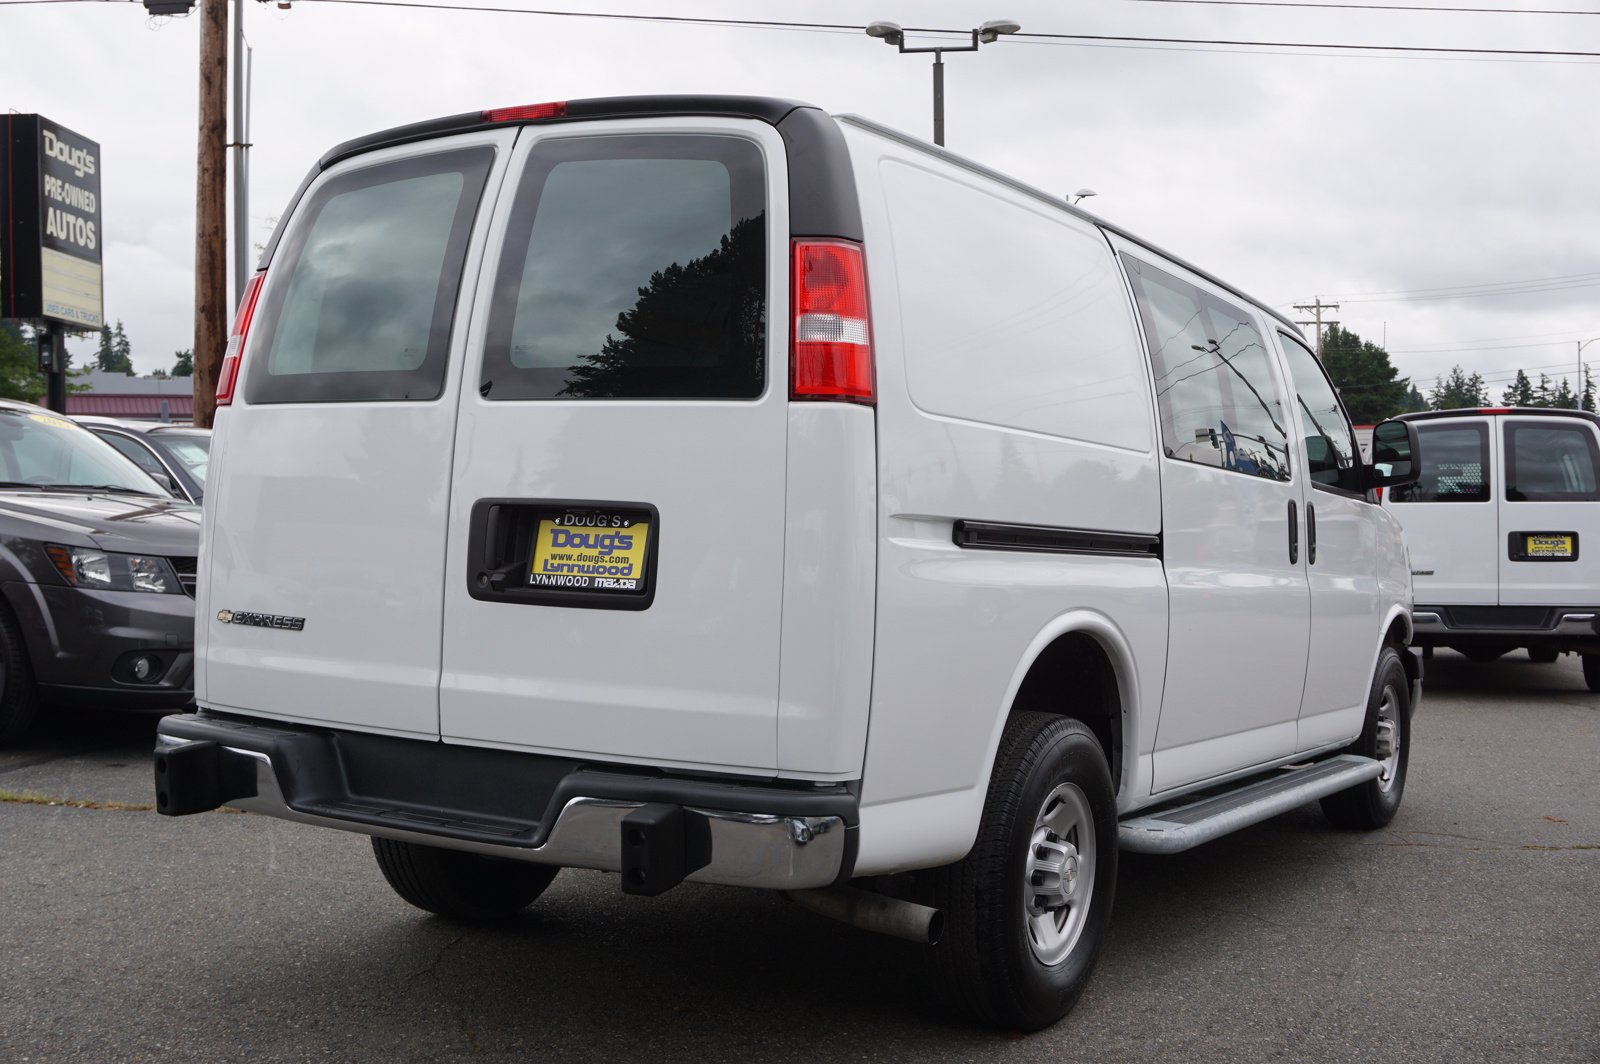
1520	393
1563	397
184	364
1372	389
1542	394
1588	390
1415	400
114	354
1458	390
19	364
122	350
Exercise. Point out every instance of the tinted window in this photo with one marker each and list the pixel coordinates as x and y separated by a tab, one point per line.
363	291
633	268
1330	441
1455	465
1219	400
1550	463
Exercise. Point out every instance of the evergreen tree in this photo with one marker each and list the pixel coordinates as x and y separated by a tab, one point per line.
122	350
1542	394
1367	381
184	366
104	354
1415	400
1588	390
1563	397
1520	393
19	364
1458	390
114	354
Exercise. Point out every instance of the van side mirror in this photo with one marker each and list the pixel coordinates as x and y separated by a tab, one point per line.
1396	456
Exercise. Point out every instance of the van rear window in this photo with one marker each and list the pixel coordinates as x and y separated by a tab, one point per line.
1550	463
363	291
1455	465
634	267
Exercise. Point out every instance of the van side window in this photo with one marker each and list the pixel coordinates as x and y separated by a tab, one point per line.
1455	465
361	305
1219	400
1550	463
634	267
1330	441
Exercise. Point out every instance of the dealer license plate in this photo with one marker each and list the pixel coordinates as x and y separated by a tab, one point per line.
589	550
1539	545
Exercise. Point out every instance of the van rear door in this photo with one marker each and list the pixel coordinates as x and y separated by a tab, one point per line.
1549	548
615	567
327	513
1450	515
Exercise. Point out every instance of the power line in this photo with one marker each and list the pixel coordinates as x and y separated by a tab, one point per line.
1042	38
1376	7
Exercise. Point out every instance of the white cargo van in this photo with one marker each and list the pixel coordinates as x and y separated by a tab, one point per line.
712	489
1498	525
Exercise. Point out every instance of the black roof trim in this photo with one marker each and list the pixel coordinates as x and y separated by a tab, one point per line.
765	108
1501	411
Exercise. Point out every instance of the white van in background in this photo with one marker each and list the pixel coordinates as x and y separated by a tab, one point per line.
709	488
1504	533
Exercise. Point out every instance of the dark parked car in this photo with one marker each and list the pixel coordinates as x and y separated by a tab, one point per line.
97	569
177	453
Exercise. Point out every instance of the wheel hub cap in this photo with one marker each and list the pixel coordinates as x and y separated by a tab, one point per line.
1058	876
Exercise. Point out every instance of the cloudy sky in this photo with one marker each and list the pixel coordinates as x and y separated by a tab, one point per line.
1447	201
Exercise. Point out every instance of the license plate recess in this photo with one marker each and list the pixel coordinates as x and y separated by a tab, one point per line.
562	552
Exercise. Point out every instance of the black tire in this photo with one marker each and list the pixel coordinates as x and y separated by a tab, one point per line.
1543	655
987	964
459	885
1373	804
19	698
1591	671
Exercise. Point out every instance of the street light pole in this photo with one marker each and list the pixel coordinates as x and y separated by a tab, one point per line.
988	33
1577	397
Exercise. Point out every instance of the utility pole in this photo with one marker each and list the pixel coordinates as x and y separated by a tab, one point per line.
1317	308
210	230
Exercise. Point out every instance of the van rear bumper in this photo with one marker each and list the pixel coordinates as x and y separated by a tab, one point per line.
1574	628
656	830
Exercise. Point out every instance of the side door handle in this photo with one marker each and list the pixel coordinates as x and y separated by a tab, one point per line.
1311	534
1294	533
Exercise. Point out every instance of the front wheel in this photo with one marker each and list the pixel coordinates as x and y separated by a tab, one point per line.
1386	738
19	699
458	885
1026	910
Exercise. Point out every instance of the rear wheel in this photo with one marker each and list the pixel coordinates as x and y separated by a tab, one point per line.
1591	671
1386	738
19	700
1026	910
458	885
1543	655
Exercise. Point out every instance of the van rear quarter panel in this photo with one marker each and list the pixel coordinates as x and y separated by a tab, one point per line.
1012	388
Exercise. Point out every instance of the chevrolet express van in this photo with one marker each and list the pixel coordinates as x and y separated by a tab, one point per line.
709	488
1497	525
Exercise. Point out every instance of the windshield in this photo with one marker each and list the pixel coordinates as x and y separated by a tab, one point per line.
193	451
36	447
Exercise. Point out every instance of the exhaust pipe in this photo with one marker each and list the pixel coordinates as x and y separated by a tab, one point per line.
874	912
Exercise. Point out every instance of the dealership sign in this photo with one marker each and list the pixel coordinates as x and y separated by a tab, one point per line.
50	232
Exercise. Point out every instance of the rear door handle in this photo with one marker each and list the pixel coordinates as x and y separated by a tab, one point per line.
1294	533
1311	534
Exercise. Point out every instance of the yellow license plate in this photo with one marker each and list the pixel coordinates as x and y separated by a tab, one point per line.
1549	546
586	551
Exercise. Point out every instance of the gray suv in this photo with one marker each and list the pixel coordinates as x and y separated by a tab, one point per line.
97	569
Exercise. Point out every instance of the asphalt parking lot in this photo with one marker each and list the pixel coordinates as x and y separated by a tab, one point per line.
1469	930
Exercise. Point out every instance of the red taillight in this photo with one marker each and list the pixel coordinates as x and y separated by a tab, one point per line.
531	112
831	354
1377	493
228	376
1494	409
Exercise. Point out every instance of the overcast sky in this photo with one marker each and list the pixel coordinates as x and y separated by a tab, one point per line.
1413	190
